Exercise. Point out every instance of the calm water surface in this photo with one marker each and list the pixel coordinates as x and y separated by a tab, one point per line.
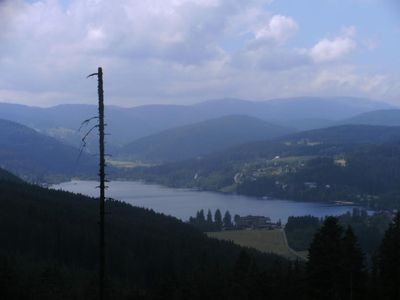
183	203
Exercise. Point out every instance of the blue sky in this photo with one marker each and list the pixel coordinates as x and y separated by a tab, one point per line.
377	21
186	51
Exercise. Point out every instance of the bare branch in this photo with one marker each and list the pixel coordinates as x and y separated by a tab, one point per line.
87	121
84	143
89	131
93	74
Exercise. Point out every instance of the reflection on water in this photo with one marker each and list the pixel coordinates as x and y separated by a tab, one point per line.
183	203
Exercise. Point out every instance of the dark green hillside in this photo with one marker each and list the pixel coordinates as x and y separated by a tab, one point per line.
37	157
201	138
354	163
49	250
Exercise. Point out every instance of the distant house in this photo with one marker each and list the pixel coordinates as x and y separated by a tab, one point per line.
255	222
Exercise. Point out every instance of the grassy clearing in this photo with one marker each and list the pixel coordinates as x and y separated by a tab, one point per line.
270	241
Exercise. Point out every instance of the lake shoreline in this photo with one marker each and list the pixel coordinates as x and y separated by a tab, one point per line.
185	202
261	198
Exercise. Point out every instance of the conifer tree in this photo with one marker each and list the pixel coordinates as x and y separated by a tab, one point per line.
218	219
209	217
324	266
336	267
389	262
227	219
201	219
236	218
354	270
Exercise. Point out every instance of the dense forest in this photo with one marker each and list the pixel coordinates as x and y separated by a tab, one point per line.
50	240
49	247
369	228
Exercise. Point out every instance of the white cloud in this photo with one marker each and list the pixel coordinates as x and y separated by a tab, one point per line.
279	28
166	51
333	49
348	79
328	50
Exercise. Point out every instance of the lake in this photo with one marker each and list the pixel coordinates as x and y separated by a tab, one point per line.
183	203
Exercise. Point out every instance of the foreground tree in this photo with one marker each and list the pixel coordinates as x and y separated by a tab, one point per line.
389	262
324	265
354	271
336	264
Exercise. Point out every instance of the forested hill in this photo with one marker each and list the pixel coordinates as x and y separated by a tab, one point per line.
128	124
201	138
387	117
348	134
36	157
355	163
49	251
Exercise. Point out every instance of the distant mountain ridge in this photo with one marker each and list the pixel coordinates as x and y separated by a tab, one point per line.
37	157
297	108
386	117
201	138
126	125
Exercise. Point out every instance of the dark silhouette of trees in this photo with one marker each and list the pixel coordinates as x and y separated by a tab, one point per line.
209	217
236	219
388	262
324	265
200	216
354	269
336	264
48	239
206	224
227	220
218	219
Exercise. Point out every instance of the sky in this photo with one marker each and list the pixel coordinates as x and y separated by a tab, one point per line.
187	51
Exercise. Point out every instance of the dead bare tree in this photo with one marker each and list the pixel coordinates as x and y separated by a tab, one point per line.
102	178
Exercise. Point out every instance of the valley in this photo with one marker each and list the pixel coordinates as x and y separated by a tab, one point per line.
244	165
199	150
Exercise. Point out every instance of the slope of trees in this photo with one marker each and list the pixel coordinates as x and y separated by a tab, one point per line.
201	138
49	245
49	251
